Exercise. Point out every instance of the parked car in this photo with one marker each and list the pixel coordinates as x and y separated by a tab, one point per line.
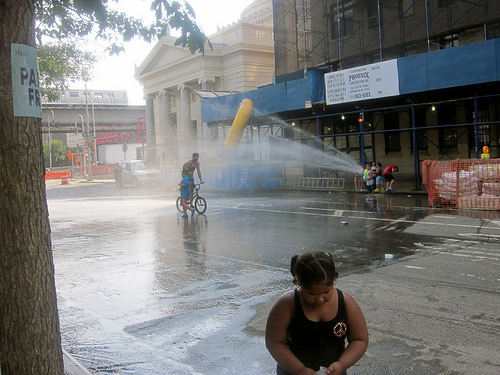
136	173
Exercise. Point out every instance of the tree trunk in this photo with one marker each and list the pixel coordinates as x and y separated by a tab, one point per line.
30	341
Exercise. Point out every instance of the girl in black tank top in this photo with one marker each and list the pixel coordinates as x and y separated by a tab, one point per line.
316	324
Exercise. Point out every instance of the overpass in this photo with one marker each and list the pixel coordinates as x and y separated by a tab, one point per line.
113	123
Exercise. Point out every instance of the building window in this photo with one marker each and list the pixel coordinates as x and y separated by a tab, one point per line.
288	132
484	129
448	137
392	138
406	7
484	135
372	13
214	133
449	41
345	14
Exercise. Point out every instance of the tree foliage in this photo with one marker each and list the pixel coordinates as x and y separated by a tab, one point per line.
62	63
58	151
63	19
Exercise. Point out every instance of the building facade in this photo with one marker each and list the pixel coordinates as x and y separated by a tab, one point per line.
443	58
175	82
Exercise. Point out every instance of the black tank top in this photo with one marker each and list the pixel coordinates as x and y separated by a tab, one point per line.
316	344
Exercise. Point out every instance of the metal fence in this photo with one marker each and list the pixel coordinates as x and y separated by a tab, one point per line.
315	183
463	183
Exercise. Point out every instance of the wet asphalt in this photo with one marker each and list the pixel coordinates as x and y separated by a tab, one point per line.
143	291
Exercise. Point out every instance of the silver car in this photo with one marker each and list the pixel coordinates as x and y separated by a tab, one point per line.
136	173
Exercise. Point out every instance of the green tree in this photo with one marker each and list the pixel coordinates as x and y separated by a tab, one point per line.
62	63
59	153
30	341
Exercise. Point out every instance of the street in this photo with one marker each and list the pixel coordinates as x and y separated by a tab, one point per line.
142	291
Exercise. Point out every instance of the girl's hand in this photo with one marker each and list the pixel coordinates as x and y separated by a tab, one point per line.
306	371
335	368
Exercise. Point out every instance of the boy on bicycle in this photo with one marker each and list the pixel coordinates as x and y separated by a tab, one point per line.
190	167
185	194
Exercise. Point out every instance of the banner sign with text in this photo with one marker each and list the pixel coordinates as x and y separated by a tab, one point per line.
25	81
372	81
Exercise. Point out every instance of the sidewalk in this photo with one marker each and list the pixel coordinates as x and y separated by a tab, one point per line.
401	186
435	314
432	313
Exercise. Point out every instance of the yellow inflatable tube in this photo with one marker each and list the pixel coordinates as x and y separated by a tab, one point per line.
240	121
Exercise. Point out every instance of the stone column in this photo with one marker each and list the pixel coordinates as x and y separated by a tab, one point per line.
169	129
207	84
150	131
184	128
159	131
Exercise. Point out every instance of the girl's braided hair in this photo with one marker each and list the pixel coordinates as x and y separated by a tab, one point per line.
313	268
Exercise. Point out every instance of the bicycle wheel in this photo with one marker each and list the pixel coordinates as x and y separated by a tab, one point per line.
201	205
178	204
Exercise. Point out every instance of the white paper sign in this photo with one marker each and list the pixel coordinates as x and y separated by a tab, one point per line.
361	83
25	81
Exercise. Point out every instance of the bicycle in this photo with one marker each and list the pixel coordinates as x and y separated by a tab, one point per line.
196	201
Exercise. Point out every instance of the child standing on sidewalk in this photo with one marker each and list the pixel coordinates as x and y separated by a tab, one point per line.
370	183
379	181
307	327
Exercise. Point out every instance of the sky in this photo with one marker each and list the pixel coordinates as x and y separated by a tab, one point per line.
117	72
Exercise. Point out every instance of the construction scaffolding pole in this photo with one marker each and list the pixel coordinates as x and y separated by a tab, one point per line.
379	18
428	25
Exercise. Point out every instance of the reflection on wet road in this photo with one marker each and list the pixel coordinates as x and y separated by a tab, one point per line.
142	291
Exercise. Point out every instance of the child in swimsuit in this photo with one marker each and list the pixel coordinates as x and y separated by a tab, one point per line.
307	328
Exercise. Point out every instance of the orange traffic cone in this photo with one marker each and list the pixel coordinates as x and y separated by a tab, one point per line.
64	179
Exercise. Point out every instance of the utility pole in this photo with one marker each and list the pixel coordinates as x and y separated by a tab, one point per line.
88	136
50	140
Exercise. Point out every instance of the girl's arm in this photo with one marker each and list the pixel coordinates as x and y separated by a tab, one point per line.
357	336
276	336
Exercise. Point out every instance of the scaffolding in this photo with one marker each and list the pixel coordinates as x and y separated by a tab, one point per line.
340	34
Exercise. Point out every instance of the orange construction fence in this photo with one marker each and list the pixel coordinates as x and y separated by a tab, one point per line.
57	175
463	183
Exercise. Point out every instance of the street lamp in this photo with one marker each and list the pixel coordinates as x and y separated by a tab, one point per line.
95	139
89	175
76	126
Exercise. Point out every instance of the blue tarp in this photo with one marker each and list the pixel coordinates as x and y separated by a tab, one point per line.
270	99
245	176
453	67
317	82
460	66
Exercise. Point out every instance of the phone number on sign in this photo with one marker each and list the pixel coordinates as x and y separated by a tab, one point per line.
361	96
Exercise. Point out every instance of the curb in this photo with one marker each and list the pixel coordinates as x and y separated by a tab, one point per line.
72	367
